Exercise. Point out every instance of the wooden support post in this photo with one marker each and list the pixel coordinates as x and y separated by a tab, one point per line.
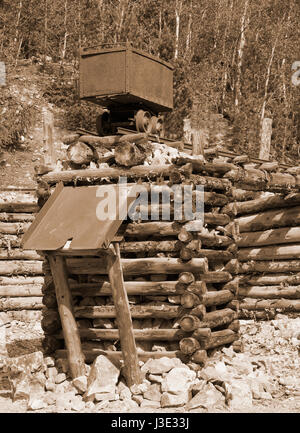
48	132
130	357
265	143
65	308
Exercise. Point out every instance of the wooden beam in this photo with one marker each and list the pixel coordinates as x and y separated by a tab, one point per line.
65	308
115	273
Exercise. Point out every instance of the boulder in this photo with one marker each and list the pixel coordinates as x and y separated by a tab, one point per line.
51	373
174	400
110	396
50	398
240	395
178	380
155	378
208	397
49	361
123	391
80	383
103	376
61	377
137	398
160	365
77	404
153	392
37	404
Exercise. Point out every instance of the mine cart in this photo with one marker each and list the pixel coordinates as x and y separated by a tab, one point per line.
134	87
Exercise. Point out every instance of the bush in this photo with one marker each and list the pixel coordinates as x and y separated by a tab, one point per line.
16	119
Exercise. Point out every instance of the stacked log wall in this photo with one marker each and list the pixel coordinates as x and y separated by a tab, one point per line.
267	213
21	273
179	282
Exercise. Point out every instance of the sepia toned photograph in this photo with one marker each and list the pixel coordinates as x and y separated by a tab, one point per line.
150	210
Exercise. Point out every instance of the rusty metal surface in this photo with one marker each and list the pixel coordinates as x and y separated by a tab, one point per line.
127	76
70	215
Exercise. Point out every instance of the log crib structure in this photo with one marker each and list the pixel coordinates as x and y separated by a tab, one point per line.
178	281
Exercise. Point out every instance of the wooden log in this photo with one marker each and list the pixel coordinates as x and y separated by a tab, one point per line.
18	207
216	219
270	266
21	303
243	195
16	254
139	334
184	235
270	292
29	290
21	280
80	153
269	279
51	322
284	235
189	345
137	288
189	300
200	166
232	285
269	166
216	298
216	277
199	357
219	338
70	138
112	173
10	241
128	154
289	217
269	201
234	326
232	266
23	267
163	311
150	246
138	266
113	139
16	217
202	334
199	311
186	278
116	356
189	323
65	308
277	304
211	320
213	239
212	198
159	228
114	268
211	255
257	315
25	315
281	252
211	183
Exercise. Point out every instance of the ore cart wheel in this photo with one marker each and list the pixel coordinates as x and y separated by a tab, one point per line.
103	124
143	121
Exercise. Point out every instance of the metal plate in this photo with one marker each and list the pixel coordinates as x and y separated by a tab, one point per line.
70	214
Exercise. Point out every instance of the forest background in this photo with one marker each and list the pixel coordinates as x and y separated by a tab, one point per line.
236	56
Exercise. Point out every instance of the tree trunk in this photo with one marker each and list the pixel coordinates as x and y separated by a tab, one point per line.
21	290
23	267
216	298
189	345
219	338
277	304
25	303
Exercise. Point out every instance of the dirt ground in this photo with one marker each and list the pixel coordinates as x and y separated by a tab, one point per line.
273	345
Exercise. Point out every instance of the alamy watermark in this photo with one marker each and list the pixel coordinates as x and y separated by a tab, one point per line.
296	74
154	202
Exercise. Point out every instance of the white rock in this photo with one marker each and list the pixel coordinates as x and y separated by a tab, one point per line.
153	392
77	404
103	376
80	383
150	404
241	395
207	397
172	400
160	365
36	404
178	380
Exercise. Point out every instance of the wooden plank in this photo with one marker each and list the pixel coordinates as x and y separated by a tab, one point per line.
115	273
65	308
